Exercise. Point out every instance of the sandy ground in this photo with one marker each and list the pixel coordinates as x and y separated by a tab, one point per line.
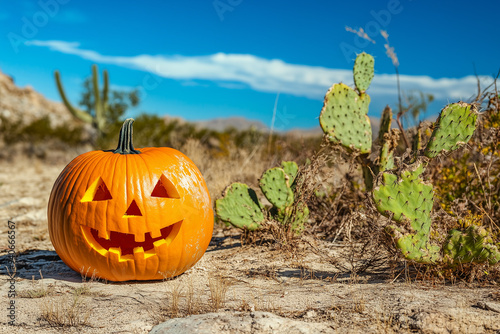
229	277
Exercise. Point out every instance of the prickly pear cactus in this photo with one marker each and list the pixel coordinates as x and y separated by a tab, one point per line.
296	217
385	123
275	185
408	201
363	71
343	118
473	245
291	169
454	128
389	144
240	207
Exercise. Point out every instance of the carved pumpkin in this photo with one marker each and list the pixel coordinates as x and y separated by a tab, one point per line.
130	214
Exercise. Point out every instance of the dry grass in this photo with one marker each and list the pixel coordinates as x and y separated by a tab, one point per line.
38	290
70	312
218	290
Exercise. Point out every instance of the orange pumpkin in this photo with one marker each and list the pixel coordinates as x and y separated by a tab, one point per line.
130	214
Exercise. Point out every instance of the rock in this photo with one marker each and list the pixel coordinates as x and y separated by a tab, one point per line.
239	323
435	322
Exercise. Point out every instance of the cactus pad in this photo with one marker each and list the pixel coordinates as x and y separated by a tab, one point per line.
453	128
291	169
295	216
385	122
240	207
276	187
473	245
389	144
343	118
363	71
407	200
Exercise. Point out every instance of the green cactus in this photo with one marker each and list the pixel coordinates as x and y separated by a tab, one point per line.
343	118
408	201
295	216
473	245
240	207
275	185
417	140
385	123
454	127
291	169
363	71
98	120
389	144
344	115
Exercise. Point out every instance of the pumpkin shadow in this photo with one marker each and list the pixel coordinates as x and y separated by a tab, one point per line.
226	242
35	263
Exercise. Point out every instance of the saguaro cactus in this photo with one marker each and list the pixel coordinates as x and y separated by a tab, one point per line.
98	119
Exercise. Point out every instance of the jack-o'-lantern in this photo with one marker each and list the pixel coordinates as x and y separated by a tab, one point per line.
130	214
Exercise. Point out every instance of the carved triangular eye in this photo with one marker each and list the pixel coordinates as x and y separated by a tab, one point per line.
133	210
97	192
165	188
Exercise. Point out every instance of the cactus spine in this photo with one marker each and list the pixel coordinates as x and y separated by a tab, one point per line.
98	120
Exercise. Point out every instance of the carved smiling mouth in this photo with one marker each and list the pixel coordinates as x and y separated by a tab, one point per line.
124	244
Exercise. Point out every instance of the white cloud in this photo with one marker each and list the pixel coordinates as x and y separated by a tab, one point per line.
268	75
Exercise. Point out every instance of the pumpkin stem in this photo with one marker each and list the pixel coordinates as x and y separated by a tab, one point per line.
125	145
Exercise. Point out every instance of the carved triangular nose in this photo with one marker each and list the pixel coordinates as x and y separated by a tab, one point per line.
133	210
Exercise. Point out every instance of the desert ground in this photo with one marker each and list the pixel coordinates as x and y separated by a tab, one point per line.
232	279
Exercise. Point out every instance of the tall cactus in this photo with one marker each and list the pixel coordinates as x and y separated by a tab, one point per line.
98	120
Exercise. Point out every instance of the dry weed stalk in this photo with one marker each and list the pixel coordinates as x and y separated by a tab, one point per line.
38	290
361	33
218	289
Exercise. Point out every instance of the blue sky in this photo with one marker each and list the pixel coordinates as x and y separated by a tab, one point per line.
209	59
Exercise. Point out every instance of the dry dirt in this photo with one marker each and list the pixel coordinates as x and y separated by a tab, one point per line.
229	278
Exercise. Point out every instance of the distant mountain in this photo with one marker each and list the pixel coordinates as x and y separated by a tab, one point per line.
238	123
26	105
